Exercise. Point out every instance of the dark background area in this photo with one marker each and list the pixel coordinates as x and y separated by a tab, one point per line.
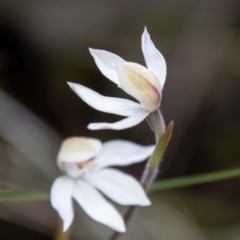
44	44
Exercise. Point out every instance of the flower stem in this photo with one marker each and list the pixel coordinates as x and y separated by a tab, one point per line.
163	137
156	123
160	148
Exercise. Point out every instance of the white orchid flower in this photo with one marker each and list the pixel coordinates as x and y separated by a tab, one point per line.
85	163
144	84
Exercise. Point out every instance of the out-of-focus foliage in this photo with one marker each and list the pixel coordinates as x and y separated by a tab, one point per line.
43	44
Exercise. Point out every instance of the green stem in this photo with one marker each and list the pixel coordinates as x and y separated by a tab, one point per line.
156	123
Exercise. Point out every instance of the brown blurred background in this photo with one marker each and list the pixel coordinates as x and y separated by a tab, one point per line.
43	44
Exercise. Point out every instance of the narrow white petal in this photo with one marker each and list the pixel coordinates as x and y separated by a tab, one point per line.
119	106
123	124
106	62
153	58
78	149
118	186
61	199
122	153
97	207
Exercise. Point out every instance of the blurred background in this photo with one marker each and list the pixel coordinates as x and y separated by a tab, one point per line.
43	44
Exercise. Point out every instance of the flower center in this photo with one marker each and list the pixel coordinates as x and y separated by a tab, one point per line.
84	164
76	170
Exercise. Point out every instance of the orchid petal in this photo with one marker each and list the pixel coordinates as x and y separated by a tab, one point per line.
97	207
119	106
118	186
122	153
153	58
106	62
61	199
122	124
142	84
78	149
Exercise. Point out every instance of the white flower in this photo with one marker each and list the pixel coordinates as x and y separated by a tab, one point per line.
144	84
84	162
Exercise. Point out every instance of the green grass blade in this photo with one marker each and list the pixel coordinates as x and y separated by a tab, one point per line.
19	196
196	179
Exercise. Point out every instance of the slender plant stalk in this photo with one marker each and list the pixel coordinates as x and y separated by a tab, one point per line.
163	137
146	181
156	123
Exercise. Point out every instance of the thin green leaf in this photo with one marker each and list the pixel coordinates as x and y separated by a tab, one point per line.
19	196
196	179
